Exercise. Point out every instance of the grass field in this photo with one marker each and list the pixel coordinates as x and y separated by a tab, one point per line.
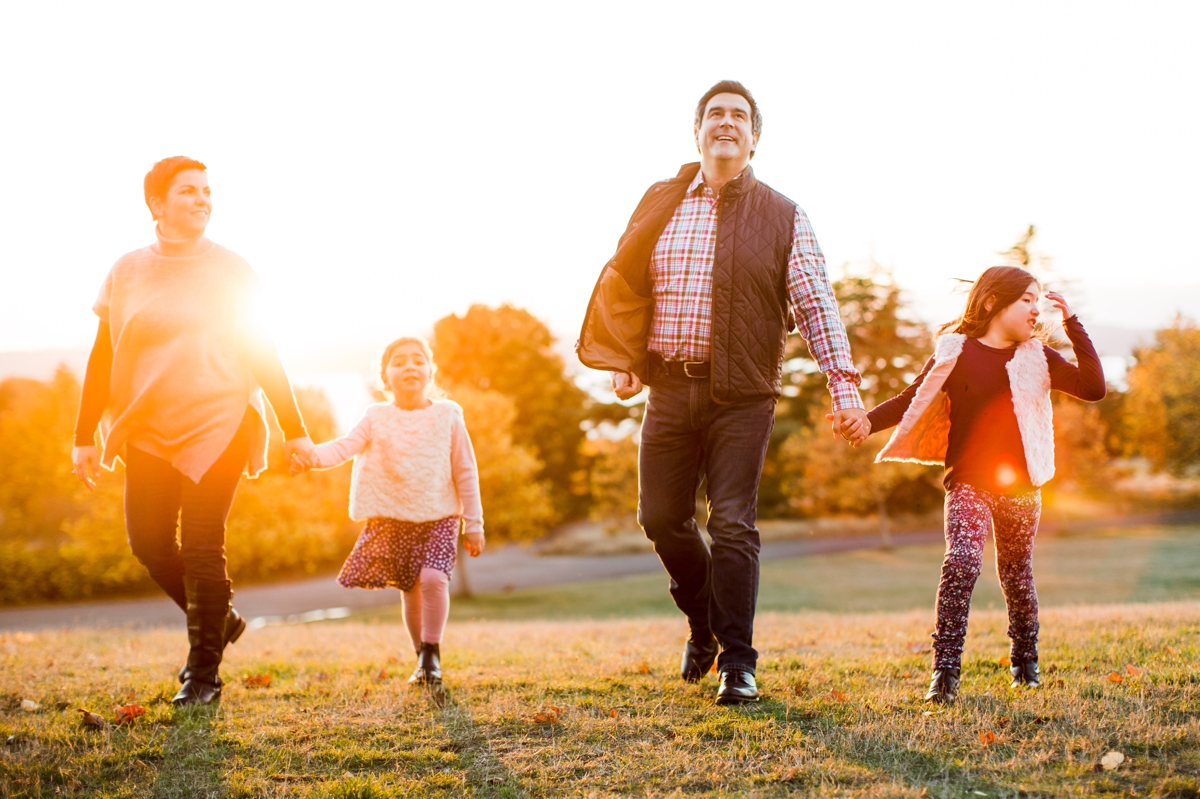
594	707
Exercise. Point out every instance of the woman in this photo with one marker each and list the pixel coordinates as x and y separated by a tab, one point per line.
173	382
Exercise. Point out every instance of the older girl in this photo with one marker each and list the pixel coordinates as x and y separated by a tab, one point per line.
981	407
414	479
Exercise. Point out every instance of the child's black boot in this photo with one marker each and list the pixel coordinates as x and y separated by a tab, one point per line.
1025	675
429	665
944	686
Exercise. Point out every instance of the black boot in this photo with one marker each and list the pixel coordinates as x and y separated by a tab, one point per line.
235	625
1025	675
207	609
944	686
429	666
698	657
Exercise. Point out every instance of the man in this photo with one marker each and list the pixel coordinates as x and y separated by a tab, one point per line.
711	275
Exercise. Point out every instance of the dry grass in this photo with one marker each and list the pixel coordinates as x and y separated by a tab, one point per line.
595	709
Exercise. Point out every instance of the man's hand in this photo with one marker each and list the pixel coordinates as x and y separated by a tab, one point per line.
298	452
85	463
851	424
473	543
625	385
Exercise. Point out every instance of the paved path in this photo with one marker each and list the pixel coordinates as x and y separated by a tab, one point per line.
321	597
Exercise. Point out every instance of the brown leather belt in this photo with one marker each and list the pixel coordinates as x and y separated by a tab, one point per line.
694	369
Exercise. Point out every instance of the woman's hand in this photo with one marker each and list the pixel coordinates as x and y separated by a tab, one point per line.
1060	302
298	454
85	463
473	543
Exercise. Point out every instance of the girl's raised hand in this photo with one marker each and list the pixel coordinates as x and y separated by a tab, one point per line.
473	542
1060	302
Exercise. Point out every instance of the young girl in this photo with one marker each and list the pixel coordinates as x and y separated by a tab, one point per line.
981	406
414	478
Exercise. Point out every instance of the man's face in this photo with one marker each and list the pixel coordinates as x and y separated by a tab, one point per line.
725	131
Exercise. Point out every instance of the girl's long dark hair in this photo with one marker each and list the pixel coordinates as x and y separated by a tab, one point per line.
1004	285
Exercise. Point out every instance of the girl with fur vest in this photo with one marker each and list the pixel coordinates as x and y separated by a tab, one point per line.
981	406
414	479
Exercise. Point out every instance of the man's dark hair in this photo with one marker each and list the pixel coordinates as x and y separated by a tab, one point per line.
731	87
158	179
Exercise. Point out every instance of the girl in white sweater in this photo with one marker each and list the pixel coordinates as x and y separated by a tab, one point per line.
414	479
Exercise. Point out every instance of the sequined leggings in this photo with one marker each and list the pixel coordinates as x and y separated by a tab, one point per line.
970	512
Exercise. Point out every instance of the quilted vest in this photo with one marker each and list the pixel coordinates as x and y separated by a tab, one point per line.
751	313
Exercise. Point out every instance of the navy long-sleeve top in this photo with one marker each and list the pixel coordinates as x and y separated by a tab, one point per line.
985	448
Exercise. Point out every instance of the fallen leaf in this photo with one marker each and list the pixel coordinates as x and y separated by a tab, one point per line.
556	708
644	668
988	737
383	674
1172	650
907	675
612	714
1053	667
838	695
1133	670
127	713
1004	660
29	705
1112	760
800	688
1114	677
1003	720
366	693
546	717
258	680
90	719
790	773
393	659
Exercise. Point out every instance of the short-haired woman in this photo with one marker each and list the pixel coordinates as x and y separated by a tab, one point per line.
175	383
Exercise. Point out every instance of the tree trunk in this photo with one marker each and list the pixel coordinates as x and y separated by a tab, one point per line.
885	533
462	584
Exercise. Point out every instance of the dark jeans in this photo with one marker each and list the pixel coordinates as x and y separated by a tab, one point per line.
159	501
685	435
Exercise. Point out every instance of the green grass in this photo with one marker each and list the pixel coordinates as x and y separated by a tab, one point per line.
1150	564
593	707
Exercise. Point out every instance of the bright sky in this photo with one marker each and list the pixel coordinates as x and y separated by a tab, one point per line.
382	165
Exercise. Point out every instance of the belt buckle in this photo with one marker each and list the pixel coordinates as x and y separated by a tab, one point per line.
687	369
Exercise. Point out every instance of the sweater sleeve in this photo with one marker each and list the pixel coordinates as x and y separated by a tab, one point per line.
269	372
336	452
466	476
1085	381
888	414
96	384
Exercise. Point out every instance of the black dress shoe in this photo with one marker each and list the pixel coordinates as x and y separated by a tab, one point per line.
737	688
698	659
944	686
1025	675
429	666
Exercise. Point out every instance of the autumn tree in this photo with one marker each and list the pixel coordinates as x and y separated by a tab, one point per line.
1162	406
510	351
889	348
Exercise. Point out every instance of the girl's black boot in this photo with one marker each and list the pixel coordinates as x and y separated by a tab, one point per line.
944	686
429	665
1026	675
207	608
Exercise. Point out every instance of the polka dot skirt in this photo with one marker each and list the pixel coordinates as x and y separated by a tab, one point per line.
391	553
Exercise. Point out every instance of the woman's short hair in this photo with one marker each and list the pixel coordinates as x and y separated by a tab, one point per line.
158	179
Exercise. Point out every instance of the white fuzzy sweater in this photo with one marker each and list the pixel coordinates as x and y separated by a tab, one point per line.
415	466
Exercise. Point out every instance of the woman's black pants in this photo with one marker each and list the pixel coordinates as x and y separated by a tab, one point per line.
177	527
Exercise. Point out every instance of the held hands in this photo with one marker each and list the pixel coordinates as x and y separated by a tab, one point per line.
851	424
473	543
85	463
1060	302
625	385
298	453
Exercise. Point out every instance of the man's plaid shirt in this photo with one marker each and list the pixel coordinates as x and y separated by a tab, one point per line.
681	268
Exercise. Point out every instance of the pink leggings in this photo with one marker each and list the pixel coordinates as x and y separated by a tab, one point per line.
426	607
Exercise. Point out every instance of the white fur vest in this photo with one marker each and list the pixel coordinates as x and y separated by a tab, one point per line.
924	431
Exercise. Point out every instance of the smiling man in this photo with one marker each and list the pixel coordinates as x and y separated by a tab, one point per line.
712	273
